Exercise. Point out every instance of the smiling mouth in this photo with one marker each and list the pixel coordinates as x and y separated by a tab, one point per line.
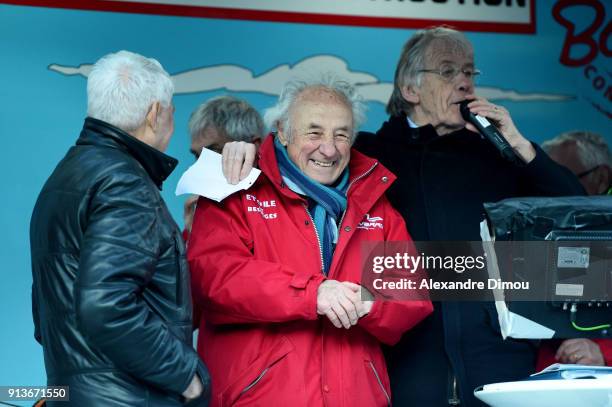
323	164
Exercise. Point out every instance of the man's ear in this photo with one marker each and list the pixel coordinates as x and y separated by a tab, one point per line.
410	94
281	134
154	110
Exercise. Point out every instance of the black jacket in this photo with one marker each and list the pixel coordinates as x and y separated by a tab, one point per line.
111	295
442	183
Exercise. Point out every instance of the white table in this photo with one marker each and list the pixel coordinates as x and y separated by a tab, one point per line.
548	393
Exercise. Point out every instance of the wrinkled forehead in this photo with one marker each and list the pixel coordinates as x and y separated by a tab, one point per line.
449	50
320	96
318	99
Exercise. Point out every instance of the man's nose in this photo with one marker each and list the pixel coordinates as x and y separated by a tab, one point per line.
465	83
327	146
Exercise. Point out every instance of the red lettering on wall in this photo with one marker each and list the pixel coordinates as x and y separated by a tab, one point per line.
586	37
603	40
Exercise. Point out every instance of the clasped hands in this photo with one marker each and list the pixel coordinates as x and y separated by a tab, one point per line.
341	302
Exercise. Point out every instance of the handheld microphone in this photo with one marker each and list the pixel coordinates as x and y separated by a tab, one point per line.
490	132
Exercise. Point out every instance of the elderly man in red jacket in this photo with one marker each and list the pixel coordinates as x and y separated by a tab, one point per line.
277	269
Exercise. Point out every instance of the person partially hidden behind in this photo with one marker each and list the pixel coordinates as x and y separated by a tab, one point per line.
214	123
110	295
276	269
587	155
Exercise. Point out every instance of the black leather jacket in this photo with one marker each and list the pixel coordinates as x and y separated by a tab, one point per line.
111	295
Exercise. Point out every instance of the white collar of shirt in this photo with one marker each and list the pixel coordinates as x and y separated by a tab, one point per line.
412	124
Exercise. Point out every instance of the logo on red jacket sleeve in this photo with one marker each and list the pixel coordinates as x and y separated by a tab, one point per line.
370	222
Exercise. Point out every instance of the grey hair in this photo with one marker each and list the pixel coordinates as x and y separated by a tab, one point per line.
233	117
279	113
413	59
591	147
122	87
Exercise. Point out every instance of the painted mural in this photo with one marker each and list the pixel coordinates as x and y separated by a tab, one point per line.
233	78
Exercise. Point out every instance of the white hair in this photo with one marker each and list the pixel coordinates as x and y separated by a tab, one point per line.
414	57
279	113
122	86
591	147
233	117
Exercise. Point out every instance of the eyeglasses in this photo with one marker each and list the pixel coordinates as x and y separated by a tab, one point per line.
587	172
450	72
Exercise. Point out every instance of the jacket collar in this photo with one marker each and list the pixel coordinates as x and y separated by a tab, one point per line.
157	164
396	128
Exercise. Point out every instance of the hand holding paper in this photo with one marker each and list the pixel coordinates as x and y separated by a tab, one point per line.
205	178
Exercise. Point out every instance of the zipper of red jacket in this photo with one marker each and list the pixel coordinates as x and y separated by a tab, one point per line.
343	214
318	238
323	376
352	183
347	190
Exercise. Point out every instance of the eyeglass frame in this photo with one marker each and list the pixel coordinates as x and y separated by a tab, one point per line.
470	73
587	172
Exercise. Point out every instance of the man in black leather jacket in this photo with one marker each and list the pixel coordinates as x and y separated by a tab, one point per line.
111	297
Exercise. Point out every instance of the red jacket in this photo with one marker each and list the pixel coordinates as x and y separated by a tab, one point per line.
256	267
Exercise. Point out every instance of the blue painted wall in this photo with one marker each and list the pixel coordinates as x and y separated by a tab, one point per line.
42	111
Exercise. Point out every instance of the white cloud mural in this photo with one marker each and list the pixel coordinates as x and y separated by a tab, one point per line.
235	78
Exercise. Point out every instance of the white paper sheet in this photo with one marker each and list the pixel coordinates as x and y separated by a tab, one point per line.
512	325
205	178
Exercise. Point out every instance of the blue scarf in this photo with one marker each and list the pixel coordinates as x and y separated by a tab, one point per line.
327	203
